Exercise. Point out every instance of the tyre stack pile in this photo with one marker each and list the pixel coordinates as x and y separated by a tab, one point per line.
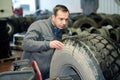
95	46
107	25
18	25
87	57
5	51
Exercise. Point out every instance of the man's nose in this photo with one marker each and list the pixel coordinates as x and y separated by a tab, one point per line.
64	22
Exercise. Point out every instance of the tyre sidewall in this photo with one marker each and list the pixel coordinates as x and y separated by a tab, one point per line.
78	60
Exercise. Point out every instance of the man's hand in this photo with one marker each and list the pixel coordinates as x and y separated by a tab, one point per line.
56	44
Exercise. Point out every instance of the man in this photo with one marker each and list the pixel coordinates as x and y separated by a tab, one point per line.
43	37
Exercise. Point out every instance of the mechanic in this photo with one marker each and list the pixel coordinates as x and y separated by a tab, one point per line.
43	37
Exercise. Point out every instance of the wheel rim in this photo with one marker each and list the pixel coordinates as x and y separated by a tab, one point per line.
69	70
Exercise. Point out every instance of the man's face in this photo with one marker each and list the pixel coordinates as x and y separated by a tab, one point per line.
60	20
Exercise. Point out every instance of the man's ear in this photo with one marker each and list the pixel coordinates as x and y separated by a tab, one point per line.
53	17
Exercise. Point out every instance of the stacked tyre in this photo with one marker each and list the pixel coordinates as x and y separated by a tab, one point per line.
18	25
93	50
87	57
104	24
5	51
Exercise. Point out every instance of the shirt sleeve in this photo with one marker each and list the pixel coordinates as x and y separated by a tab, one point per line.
33	40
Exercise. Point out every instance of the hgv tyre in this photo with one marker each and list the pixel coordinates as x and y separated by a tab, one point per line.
89	57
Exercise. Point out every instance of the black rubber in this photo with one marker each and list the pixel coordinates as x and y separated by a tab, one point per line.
90	57
85	22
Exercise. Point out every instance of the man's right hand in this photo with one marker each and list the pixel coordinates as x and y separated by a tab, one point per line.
56	44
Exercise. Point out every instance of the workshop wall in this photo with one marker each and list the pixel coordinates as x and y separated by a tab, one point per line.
109	6
105	6
73	5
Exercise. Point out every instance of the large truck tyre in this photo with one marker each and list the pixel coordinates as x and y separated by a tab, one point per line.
85	22
12	26
87	57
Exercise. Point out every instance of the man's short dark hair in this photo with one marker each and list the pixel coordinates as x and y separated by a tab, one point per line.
60	7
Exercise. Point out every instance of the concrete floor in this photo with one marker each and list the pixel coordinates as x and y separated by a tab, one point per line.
5	64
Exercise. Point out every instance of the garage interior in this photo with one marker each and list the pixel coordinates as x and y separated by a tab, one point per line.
101	17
